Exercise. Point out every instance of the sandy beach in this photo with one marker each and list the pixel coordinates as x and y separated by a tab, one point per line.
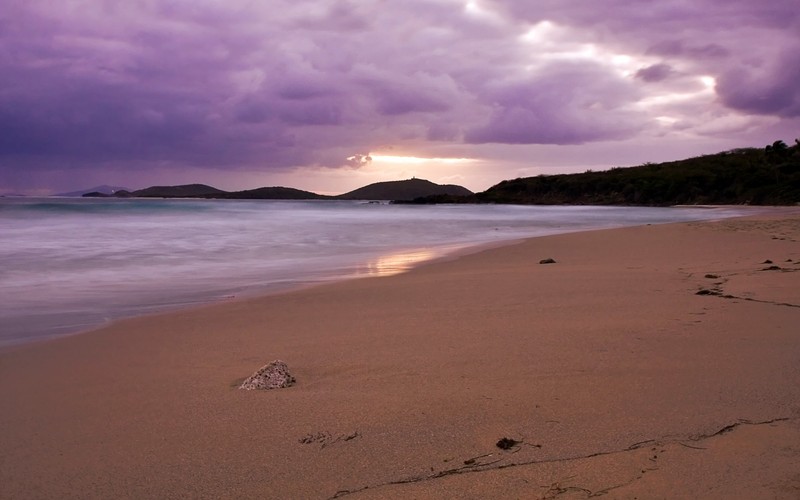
606	372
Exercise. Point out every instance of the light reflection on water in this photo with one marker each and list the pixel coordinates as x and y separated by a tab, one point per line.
398	262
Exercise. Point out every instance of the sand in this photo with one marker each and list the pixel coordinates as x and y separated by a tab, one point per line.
606	367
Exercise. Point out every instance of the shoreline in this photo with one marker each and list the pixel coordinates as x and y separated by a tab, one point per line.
387	264
594	365
401	262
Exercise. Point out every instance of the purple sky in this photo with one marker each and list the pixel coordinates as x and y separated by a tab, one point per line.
243	94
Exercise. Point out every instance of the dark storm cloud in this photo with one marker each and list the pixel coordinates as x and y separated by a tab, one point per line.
76	117
278	84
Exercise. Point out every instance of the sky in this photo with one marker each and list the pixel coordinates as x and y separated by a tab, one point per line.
331	95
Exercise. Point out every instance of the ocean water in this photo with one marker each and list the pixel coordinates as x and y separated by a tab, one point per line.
67	265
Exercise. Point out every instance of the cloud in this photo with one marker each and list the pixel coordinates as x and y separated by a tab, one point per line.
770	90
655	73
340	16
281	85
359	160
565	103
680	48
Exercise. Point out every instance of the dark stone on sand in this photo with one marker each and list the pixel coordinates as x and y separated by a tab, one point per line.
712	276
706	291
547	261
507	443
772	268
272	376
767	262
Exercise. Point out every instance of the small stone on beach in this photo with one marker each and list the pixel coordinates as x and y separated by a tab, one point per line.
547	261
507	443
272	376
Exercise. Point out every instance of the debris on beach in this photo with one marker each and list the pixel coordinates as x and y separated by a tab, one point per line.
547	261
326	438
272	376
507	443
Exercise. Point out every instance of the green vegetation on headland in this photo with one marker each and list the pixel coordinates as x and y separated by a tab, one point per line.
768	176
393	190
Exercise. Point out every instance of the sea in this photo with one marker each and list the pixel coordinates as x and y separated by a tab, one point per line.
72	264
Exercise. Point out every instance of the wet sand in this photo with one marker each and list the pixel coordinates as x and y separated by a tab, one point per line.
607	370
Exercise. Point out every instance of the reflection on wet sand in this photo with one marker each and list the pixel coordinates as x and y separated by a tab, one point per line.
398	262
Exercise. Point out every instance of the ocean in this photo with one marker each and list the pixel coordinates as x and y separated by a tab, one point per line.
68	265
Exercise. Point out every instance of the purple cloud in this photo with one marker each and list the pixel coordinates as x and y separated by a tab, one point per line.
564	104
655	73
680	48
770	90
278	86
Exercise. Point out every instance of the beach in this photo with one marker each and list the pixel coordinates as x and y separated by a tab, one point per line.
606	372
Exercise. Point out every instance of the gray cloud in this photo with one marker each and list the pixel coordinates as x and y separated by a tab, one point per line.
770	90
655	73
567	103
280	84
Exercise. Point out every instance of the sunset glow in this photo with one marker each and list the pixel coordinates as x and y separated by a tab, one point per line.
416	160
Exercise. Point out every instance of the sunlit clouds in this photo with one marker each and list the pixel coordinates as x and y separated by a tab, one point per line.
342	92
414	160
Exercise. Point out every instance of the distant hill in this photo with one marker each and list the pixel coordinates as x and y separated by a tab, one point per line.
272	193
100	190
768	176
392	190
404	190
184	191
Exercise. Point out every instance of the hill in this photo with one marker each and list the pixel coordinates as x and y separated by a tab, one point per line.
97	191
271	193
392	190
768	176
404	190
184	191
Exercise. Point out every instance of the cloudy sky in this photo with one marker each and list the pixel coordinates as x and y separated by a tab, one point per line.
329	95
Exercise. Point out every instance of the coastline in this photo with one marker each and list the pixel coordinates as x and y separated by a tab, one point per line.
91	281
588	363
135	257
385	265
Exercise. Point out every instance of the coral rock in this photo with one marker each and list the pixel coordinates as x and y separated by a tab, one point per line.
272	376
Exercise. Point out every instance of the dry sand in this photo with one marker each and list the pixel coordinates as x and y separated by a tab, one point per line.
607	367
